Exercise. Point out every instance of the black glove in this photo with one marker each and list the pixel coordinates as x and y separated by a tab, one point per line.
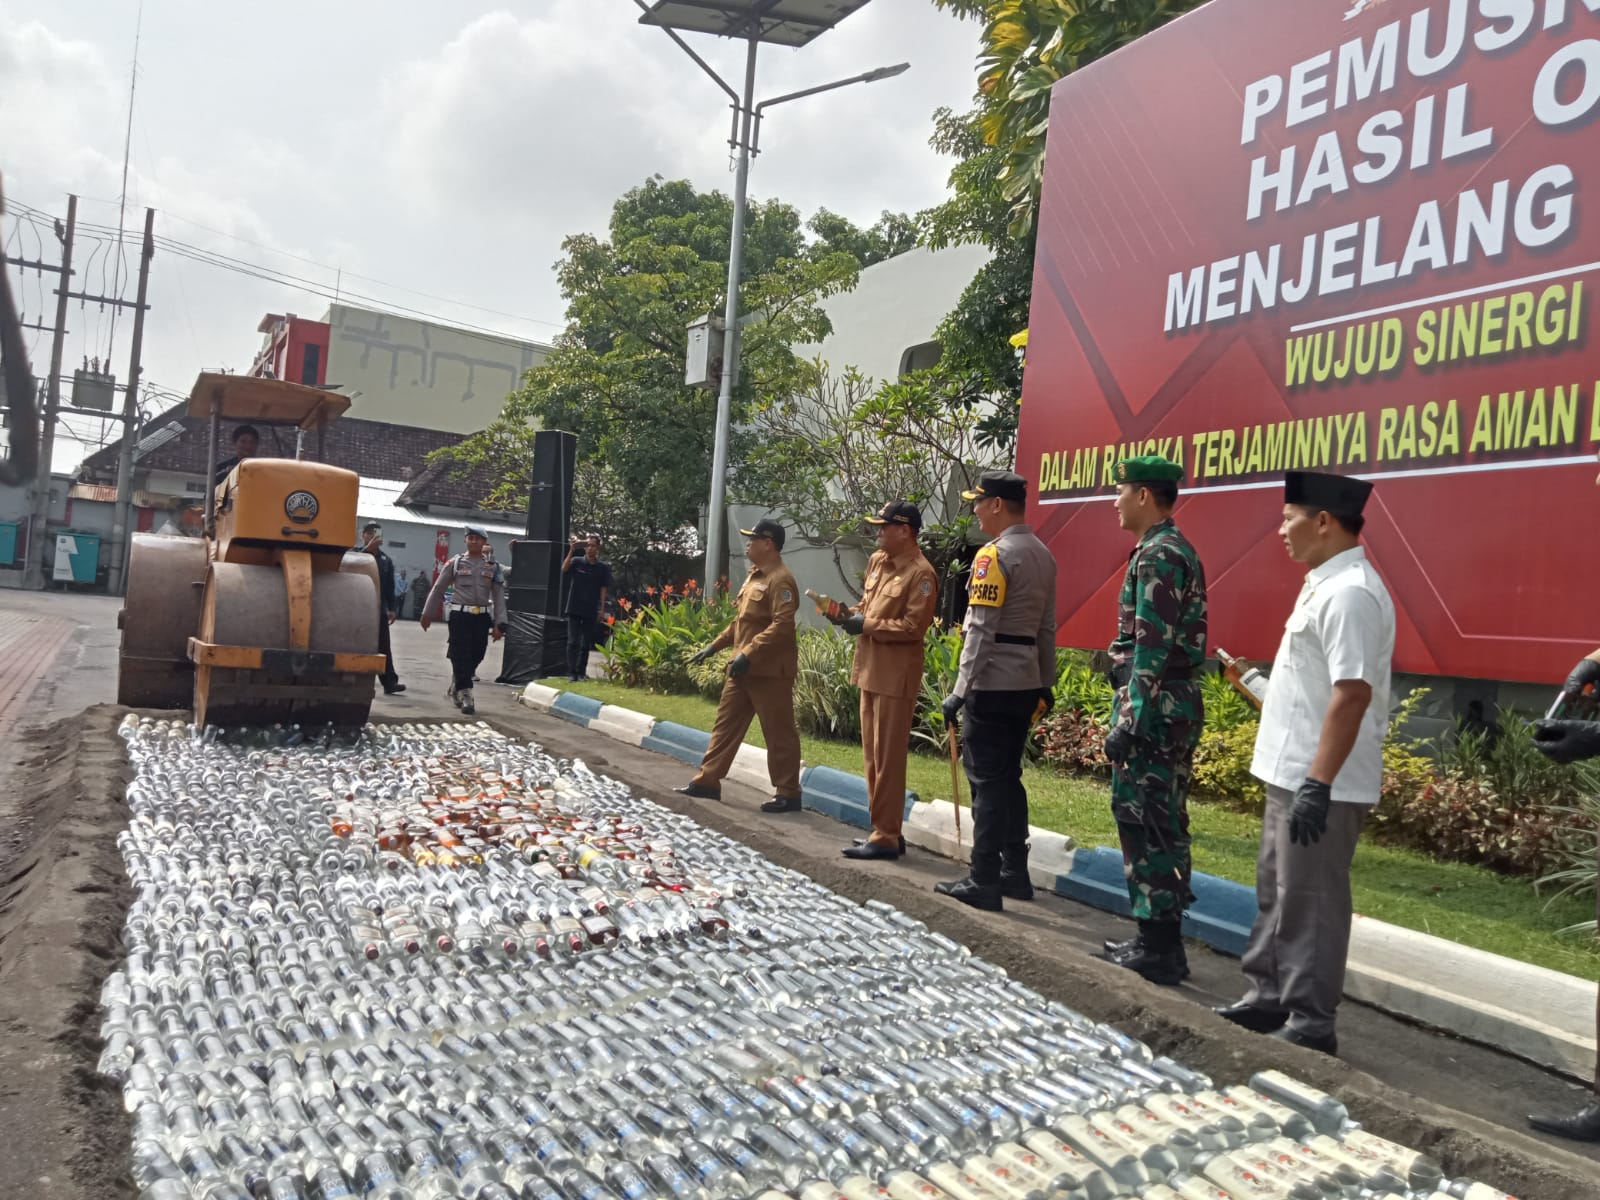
1119	745
1585	674
951	706
1047	697
701	654
853	624
738	665
1308	814
1567	741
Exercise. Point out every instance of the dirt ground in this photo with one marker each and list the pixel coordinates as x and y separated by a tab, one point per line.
63	895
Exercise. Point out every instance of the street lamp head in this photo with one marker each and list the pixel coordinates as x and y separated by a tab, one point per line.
886	72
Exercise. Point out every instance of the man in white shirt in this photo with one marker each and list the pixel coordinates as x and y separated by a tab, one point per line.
1320	752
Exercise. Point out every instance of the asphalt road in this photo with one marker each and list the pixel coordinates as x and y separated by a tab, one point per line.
1049	937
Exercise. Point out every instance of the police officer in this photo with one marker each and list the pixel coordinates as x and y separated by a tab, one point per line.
760	675
1156	660
1319	750
900	596
477	612
1007	677
388	603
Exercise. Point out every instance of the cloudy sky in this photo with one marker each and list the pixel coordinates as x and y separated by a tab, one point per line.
444	149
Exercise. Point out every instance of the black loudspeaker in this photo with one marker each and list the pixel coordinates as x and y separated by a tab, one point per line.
536	647
536	577
550	489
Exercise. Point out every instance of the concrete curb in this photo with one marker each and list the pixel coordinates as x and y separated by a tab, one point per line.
1476	995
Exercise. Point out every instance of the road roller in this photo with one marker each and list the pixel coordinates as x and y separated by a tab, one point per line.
270	617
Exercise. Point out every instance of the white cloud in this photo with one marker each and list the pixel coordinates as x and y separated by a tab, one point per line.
446	148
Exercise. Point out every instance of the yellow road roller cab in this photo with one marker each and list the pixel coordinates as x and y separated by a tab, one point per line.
270	617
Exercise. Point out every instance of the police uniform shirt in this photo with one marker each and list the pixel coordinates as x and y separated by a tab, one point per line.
898	601
478	583
1011	598
1341	628
764	628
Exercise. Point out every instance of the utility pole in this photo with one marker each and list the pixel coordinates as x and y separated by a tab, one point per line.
120	535
39	518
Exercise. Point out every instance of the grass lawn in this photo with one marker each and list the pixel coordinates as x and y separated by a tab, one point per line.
1465	904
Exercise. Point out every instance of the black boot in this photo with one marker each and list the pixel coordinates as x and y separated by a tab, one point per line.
1160	957
1015	884
985	896
1115	949
1581	1126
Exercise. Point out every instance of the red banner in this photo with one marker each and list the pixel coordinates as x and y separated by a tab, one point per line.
1359	236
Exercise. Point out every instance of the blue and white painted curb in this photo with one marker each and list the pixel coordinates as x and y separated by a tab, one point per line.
1476	995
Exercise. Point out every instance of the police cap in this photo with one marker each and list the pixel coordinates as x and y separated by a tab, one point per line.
1148	468
898	512
477	531
1341	495
1001	485
767	529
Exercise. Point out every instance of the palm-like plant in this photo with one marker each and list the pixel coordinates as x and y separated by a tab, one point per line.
1026	47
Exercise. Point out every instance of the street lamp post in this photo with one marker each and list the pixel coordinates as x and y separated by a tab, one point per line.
751	21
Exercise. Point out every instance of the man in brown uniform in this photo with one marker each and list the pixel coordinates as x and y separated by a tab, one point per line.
761	675
901	596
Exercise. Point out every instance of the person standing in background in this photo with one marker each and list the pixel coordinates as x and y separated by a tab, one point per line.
1007	676
760	676
586	602
401	587
372	543
477	612
1157	656
897	606
1319	750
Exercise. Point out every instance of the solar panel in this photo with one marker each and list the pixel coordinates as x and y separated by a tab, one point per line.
779	22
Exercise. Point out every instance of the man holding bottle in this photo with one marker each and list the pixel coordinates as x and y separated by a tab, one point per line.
1319	750
897	605
1156	660
760	676
1006	678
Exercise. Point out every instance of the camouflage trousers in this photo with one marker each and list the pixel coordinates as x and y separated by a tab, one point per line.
1150	801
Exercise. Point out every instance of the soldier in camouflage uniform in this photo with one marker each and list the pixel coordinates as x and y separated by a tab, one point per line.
1156	658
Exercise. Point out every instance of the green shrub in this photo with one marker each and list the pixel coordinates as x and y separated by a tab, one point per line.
1506	759
941	664
651	649
826	703
1225	707
1222	766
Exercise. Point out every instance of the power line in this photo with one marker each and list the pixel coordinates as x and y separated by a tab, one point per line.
314	287
312	262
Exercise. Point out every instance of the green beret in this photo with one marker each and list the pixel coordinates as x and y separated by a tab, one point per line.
1149	468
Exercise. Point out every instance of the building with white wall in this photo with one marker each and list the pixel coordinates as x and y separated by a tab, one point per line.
417	373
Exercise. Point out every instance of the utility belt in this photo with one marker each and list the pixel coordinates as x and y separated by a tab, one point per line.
474	609
1015	639
1120	674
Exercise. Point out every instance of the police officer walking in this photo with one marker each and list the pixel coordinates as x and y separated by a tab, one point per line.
1319	750
1007	677
388	604
897	606
760	676
477	612
1156	660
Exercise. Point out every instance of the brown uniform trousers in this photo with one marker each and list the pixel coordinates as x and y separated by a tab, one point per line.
900	599
764	631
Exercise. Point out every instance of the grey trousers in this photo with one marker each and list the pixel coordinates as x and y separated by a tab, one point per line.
1301	936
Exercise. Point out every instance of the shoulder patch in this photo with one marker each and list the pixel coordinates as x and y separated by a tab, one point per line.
786	595
926	589
988	583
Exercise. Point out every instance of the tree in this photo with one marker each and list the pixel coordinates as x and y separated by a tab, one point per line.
998	147
1027	47
615	377
839	446
895	233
